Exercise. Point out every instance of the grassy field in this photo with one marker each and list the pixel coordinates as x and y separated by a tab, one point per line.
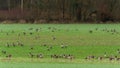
81	40
49	65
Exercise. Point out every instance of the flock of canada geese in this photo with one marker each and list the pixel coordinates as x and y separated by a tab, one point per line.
31	54
63	46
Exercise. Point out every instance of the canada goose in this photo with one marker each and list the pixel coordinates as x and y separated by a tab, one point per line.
4	52
54	38
111	58
70	57
117	59
31	55
13	44
31	33
9	56
24	33
7	45
90	31
63	46
39	55
54	56
100	58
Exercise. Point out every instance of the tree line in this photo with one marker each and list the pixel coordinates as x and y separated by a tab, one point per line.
68	11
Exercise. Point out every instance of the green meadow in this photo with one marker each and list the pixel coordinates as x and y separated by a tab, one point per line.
81	40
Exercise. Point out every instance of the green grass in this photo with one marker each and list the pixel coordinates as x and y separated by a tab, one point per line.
80	42
49	65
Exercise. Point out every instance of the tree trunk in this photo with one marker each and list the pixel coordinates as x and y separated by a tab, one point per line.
8	5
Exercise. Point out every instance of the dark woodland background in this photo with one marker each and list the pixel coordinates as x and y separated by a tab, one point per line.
60	11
